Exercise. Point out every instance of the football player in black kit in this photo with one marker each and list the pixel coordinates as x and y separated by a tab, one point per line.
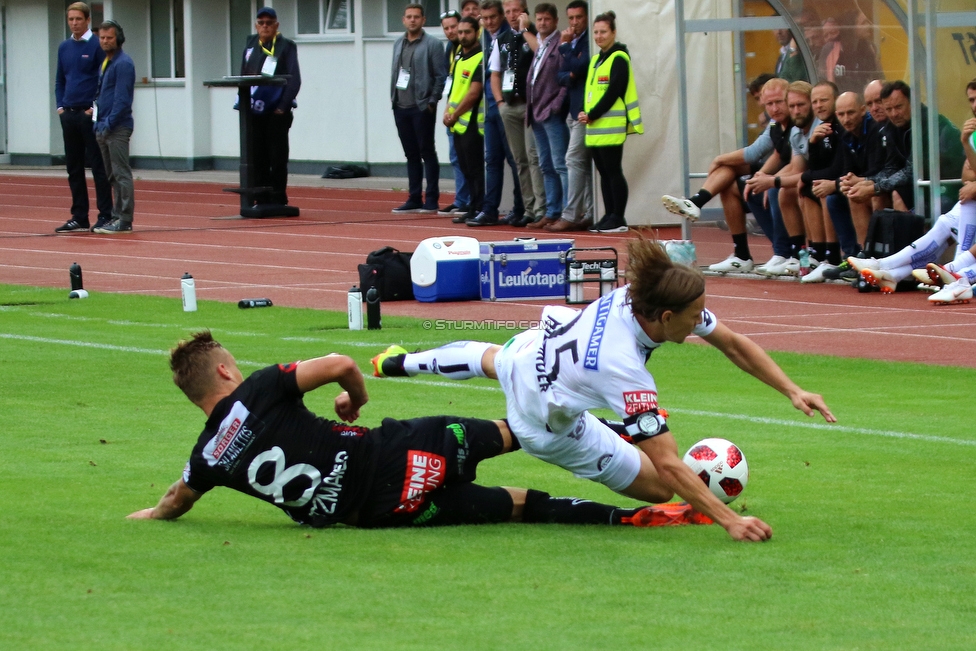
261	440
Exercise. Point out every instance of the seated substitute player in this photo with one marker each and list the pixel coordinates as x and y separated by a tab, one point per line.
595	359
724	174
958	224
261	440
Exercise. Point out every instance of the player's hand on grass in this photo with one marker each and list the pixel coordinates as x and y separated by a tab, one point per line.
345	408
750	529
809	403
144	514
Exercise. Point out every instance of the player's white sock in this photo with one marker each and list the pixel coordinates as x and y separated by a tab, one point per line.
460	360
926	248
900	273
963	260
966	231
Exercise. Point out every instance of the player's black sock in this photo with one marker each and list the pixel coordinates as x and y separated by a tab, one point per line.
797	242
741	242
702	197
516	446
541	508
833	253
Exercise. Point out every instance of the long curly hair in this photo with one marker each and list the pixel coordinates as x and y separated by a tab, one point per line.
656	283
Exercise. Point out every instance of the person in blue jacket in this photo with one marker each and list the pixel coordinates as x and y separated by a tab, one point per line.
113	124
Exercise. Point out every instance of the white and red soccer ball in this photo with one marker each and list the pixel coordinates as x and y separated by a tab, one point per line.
721	465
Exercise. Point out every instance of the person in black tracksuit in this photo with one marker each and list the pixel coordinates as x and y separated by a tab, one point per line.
271	106
861	151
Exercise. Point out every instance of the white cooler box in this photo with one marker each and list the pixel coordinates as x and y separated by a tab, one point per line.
445	269
524	269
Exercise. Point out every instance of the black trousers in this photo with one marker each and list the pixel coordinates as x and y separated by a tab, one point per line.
270	133
416	130
470	148
81	151
609	163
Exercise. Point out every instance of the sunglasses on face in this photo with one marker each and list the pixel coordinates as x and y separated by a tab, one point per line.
266	23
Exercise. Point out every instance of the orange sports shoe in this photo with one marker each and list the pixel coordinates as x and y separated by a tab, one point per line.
671	514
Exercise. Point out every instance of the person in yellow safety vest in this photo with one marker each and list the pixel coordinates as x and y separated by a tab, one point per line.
610	112
463	108
449	23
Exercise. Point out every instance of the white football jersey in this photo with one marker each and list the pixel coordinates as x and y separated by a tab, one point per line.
582	360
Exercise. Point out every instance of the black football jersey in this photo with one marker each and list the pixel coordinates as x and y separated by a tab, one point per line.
261	440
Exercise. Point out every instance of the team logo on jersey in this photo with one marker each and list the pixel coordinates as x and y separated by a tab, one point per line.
288	368
425	472
603	79
637	402
232	438
465	74
592	357
602	462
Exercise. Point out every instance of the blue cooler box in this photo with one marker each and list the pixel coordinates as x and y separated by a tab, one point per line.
445	269
526	269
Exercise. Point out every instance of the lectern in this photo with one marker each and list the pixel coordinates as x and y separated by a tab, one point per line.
247	190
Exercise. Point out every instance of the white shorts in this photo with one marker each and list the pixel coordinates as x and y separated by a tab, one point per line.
590	450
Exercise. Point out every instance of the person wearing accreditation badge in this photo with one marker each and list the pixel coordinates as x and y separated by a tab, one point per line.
112	115
261	440
418	73
269	53
577	361
610	112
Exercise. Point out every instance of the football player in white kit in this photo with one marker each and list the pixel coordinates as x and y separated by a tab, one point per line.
578	361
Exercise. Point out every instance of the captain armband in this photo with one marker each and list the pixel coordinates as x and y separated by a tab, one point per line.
645	425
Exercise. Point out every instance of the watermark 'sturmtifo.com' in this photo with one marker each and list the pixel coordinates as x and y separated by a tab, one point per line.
487	324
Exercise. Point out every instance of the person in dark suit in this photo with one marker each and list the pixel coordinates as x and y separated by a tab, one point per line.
269	53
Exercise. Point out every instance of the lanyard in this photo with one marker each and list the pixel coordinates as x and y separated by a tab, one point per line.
273	41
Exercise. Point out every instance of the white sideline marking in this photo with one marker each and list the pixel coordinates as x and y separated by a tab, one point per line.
824	426
457	385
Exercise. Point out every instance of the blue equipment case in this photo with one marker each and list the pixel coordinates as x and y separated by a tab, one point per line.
524	269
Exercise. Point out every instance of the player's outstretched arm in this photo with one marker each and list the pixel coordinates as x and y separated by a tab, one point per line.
751	358
178	500
313	373
662	451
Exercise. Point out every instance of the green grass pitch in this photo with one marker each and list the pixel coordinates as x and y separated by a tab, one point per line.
874	542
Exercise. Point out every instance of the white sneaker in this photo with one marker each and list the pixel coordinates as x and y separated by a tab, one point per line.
681	206
732	264
860	264
789	267
817	275
923	278
775	261
880	279
956	292
939	275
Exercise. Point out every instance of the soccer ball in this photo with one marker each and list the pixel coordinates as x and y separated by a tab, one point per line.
721	465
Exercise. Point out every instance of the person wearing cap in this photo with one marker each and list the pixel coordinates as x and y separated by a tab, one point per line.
269	53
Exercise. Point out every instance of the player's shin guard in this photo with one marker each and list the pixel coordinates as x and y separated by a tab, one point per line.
460	360
541	508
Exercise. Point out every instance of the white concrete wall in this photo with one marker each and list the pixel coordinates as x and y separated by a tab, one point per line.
33	126
162	122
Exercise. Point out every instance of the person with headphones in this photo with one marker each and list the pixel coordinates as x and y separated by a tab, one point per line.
113	124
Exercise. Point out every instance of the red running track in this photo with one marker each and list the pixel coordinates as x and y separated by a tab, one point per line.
311	261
